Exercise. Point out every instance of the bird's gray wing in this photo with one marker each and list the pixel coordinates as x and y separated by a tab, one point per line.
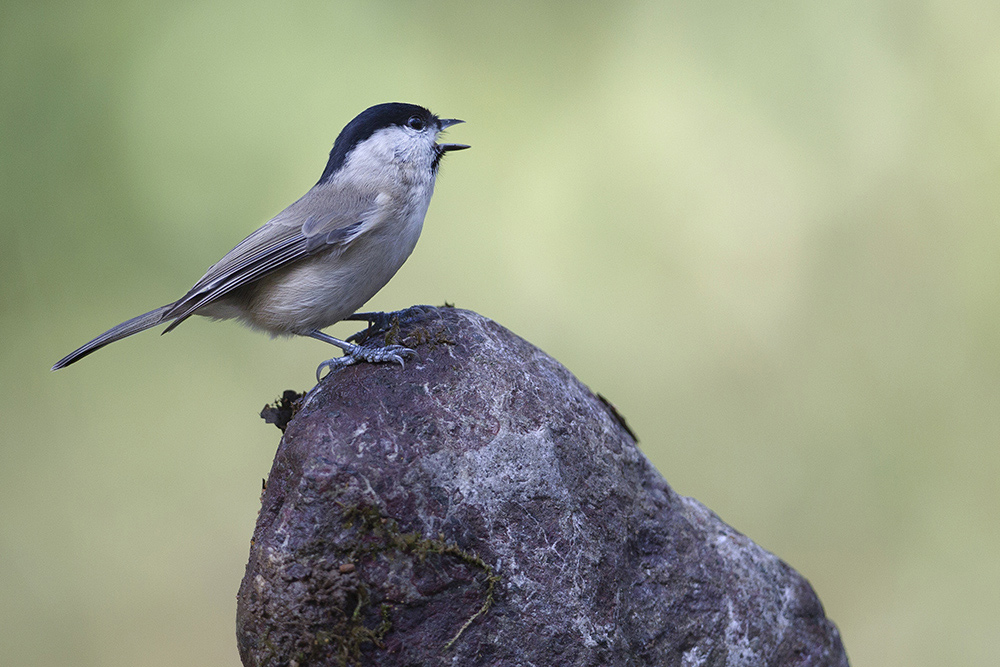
297	232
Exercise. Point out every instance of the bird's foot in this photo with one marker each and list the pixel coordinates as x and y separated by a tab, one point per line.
384	323
373	354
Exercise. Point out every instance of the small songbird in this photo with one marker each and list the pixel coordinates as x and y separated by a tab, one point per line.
327	254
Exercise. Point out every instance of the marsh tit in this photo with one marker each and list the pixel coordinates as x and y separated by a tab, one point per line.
326	255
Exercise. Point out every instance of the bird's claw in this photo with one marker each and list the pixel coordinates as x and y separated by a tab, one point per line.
372	354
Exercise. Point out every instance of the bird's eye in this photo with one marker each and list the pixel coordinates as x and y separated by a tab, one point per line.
416	123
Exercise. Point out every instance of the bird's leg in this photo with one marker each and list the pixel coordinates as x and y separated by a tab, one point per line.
379	323
373	354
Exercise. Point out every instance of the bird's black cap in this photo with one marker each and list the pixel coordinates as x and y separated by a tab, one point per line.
366	123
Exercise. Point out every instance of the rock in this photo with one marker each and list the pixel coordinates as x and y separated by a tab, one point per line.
481	506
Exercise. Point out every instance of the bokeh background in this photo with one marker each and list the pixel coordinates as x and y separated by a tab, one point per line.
768	232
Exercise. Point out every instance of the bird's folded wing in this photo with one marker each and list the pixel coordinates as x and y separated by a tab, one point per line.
288	237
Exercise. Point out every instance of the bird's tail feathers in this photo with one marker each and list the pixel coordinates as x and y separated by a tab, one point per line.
132	326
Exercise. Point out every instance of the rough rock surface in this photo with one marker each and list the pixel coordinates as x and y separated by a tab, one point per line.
482	507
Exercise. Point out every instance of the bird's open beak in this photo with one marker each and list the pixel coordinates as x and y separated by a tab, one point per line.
444	148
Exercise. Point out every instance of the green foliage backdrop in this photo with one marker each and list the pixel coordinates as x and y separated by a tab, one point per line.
768	232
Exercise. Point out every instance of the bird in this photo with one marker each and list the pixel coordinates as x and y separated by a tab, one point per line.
324	256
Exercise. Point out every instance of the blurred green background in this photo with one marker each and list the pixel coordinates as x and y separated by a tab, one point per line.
768	232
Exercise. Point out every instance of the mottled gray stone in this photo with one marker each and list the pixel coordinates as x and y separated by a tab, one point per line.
484	487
